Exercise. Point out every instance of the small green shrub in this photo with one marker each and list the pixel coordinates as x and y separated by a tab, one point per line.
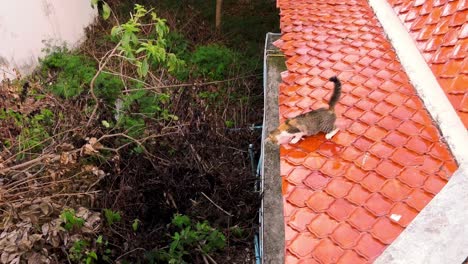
74	72
142	104
78	251
141	51
70	220
33	129
177	44
85	252
108	87
134	125
190	238
213	61
111	216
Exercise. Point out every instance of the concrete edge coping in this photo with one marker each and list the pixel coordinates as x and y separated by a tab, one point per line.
423	80
271	212
438	234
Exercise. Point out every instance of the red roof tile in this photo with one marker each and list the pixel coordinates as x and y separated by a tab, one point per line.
348	198
440	30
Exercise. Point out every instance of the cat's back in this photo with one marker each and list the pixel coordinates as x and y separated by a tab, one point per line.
320	120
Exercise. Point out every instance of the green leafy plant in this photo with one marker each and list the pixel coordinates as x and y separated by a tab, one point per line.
111	216
177	44
33	129
141	104
213	61
70	220
74	72
108	87
77	251
83	251
143	52
191	238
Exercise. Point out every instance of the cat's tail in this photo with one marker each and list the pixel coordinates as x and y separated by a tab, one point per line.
336	93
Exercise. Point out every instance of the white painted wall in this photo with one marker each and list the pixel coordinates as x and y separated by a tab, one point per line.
26	24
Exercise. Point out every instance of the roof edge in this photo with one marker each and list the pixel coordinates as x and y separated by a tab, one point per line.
438	233
423	80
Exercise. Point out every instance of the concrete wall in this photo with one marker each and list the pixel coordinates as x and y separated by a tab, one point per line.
26	24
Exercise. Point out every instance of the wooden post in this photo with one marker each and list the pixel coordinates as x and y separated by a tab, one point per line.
219	3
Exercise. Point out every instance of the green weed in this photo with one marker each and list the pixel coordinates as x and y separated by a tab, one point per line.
111	216
189	239
70	220
83	251
33	129
213	61
74	72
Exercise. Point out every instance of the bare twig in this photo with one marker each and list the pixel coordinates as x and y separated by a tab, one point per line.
53	196
206	257
102	64
131	251
35	145
217	206
211	259
52	157
192	84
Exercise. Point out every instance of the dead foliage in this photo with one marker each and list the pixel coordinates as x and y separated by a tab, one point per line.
194	165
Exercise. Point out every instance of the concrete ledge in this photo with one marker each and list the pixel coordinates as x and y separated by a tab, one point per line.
272	220
439	234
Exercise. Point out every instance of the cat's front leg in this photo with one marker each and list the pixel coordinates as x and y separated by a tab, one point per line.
330	134
296	138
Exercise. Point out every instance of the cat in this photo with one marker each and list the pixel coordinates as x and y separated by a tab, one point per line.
311	123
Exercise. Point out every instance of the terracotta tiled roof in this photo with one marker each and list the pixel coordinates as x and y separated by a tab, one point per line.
440	30
346	199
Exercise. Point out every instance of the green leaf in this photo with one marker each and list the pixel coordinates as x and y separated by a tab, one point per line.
99	239
140	49
173	117
93	255
116	30
135	225
181	220
111	216
154	16
144	67
94	2
171	62
105	123
106	11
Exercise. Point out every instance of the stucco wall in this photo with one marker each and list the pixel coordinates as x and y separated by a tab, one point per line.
26	24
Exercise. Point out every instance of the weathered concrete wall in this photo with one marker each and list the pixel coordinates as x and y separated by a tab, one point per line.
272	203
26	24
